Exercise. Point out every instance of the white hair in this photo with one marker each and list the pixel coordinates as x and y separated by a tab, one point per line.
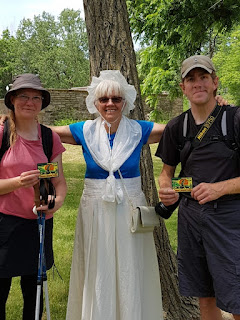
108	87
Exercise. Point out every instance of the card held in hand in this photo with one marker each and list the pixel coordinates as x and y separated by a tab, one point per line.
48	170
182	184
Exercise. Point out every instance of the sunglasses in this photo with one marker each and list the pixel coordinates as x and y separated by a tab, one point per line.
104	100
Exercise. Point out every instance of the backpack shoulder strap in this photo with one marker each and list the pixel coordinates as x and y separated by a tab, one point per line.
183	129
46	186
47	141
227	126
5	140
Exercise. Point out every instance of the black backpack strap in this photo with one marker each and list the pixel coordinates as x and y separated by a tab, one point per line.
46	186
228	127
5	140
47	141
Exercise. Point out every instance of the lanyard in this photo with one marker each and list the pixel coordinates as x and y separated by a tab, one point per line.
207	124
201	133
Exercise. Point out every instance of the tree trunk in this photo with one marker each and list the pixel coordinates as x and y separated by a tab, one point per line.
111	47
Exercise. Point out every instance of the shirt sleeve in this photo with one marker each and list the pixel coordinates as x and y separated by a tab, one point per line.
147	127
77	131
168	149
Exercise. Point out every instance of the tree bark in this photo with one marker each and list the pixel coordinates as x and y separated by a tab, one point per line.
111	47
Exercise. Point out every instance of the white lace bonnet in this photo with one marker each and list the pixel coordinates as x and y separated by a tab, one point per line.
115	75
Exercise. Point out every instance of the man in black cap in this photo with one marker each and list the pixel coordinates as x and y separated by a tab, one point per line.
204	140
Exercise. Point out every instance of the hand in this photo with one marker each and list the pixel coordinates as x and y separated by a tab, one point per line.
221	101
168	196
3	118
29	178
205	192
58	203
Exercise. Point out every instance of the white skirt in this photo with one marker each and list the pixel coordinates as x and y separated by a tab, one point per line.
114	274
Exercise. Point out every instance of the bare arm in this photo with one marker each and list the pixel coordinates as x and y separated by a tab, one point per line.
63	131
64	134
205	192
25	180
167	195
156	133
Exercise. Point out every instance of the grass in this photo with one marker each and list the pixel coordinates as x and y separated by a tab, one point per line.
64	229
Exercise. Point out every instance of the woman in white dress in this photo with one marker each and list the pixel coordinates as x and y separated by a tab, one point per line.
114	274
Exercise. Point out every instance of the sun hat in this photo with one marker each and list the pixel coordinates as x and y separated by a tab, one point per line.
197	61
27	81
115	75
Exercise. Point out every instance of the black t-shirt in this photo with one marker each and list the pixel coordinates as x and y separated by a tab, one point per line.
211	161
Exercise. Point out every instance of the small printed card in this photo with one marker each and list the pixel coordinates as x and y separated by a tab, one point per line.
48	170
182	184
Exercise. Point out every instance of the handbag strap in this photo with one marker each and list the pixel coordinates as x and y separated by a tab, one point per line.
125	189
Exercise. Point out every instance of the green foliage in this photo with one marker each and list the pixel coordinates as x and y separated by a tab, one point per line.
227	62
183	24
56	49
173	30
7	57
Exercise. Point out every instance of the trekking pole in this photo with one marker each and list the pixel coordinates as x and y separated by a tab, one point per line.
45	286
42	274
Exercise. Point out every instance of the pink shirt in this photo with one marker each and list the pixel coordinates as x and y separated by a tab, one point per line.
24	156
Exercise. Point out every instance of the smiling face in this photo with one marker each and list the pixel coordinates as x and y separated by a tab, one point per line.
27	103
109	101
199	87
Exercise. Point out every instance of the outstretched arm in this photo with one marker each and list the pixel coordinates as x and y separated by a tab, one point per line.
156	133
63	131
64	134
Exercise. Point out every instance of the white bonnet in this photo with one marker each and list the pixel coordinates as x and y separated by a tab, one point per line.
115	75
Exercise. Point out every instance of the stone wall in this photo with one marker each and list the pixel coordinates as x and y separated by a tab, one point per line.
170	108
70	104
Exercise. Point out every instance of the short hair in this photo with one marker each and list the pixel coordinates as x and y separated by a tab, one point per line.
108	87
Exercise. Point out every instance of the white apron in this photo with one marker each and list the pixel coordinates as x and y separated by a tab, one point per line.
114	274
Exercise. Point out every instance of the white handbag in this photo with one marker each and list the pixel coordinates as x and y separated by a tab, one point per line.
144	219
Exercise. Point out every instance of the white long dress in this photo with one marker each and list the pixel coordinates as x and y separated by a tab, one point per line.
114	274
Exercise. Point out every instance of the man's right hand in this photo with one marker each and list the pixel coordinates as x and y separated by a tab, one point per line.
168	196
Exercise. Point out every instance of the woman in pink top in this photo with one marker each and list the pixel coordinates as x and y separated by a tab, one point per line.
19	240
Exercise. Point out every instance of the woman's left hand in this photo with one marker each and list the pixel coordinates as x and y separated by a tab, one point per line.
221	101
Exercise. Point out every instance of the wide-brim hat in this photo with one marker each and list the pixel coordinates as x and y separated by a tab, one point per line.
197	61
27	81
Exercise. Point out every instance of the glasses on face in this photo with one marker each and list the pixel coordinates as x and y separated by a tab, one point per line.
35	100
104	100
